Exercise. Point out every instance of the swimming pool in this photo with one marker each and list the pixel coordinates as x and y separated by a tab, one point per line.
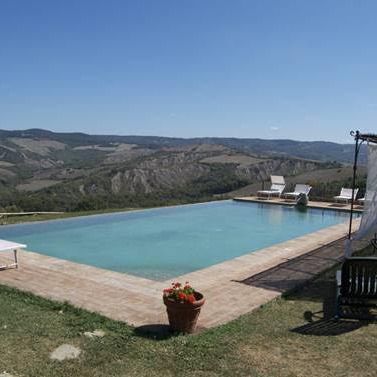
167	242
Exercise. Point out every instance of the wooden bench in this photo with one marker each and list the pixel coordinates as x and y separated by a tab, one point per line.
357	284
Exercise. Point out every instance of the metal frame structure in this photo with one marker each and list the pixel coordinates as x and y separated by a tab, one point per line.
359	139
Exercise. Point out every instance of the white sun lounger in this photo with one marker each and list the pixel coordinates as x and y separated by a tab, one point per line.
299	189
361	201
10	246
370	195
277	187
346	195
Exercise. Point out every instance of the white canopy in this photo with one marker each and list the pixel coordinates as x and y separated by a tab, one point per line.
368	225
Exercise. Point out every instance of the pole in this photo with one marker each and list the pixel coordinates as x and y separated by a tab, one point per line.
357	137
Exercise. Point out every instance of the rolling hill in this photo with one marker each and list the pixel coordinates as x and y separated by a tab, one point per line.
40	169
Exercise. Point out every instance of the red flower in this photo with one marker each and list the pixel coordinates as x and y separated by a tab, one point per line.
182	296
180	293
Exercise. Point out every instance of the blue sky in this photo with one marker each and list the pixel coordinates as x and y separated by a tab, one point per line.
304	70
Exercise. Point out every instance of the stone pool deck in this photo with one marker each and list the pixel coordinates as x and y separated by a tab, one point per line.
232	288
312	204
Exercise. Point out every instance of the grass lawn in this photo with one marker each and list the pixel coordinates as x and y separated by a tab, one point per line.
278	339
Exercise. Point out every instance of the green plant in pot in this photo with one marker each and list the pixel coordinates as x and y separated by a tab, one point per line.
183	306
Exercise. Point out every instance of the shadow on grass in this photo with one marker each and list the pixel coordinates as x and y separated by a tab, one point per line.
329	327
322	323
162	332
298	280
154	331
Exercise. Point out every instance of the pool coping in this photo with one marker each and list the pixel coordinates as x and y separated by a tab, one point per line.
252	199
116	213
311	204
137	301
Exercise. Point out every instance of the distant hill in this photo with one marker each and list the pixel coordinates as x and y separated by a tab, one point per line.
40	169
312	150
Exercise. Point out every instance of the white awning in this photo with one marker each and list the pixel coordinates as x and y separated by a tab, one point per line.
368	225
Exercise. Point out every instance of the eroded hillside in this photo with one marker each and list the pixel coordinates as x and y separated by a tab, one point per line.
77	171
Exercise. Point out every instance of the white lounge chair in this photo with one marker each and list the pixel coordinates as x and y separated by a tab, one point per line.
10	246
277	187
361	201
370	195
346	195
299	189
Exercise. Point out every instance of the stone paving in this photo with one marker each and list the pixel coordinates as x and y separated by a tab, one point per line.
232	288
321	205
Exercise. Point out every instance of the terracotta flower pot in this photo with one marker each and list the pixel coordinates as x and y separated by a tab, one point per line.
184	315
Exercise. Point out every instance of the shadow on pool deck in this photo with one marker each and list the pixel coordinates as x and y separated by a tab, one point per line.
322	323
296	280
298	271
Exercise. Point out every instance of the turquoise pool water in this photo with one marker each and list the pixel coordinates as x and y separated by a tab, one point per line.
167	242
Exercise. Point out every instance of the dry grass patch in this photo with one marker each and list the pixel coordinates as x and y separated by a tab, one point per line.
41	147
36	185
238	159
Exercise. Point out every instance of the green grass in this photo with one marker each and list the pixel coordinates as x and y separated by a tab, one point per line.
277	340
